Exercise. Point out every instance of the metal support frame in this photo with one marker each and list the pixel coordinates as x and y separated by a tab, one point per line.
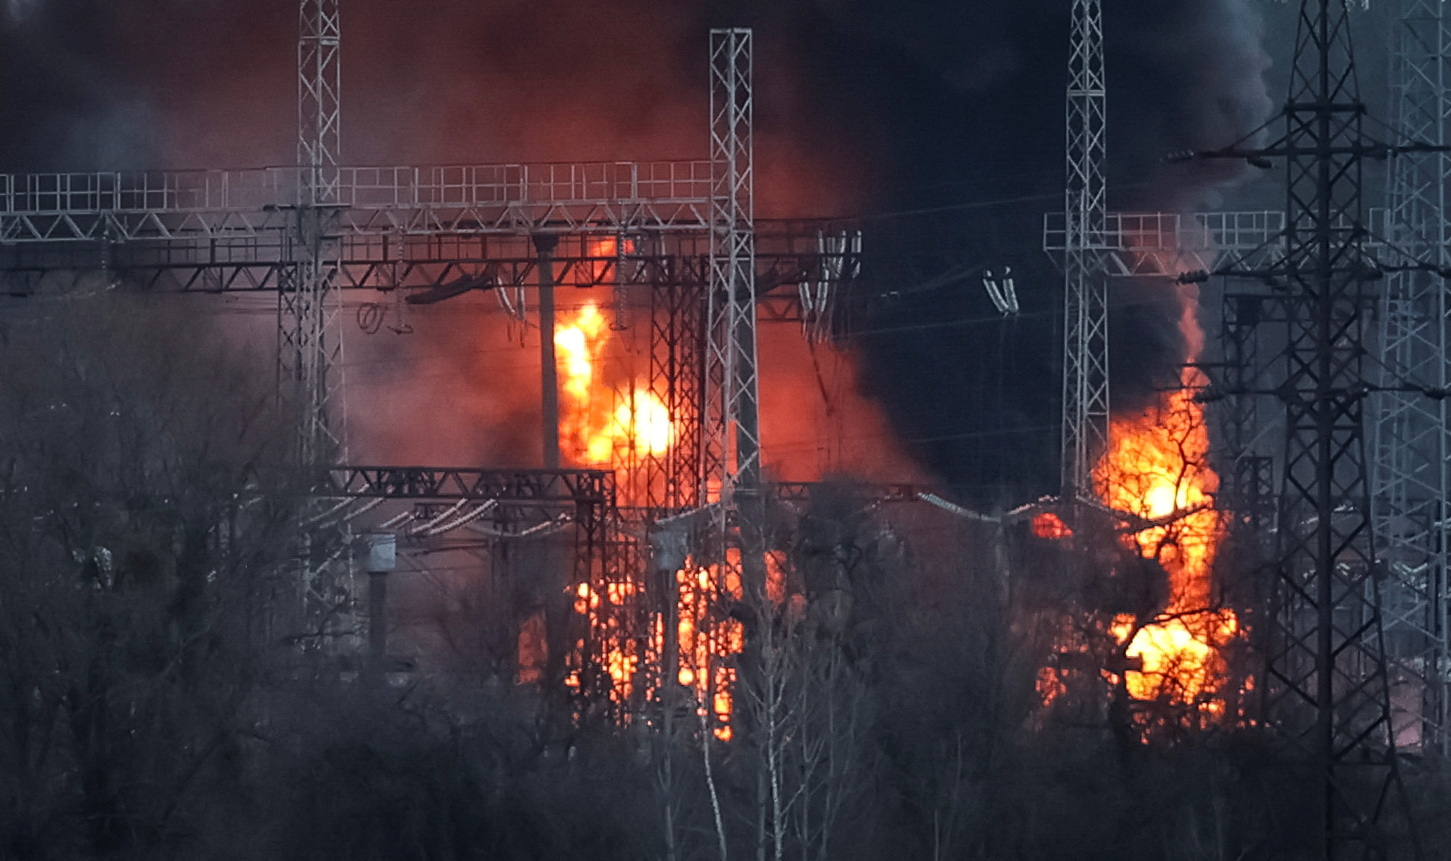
677	321
308	341
1412	477
731	446
1326	687
579	652
1245	462
1085	285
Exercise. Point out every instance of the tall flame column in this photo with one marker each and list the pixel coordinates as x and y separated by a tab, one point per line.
1085	289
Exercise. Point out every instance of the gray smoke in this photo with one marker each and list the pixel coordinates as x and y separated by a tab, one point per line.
862	106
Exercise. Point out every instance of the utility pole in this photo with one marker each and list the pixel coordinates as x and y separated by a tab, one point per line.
1411	485
1085	279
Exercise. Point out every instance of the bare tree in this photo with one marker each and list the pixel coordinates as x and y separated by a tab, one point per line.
132	549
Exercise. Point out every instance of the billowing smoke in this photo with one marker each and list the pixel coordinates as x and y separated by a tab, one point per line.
947	109
979	116
20	9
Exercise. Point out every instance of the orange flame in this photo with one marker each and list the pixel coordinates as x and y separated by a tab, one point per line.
708	637
593	430
1157	470
1051	527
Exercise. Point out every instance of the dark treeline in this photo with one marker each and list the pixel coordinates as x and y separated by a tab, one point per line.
890	710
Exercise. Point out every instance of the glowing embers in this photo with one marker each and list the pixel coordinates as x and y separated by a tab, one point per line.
1050	526
1157	471
602	421
627	650
709	638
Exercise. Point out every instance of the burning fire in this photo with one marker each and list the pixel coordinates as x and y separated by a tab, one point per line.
1050	526
1157	470
614	421
602	424
708	637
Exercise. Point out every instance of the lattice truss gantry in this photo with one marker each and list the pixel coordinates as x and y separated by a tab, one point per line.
1412	435
1327	679
432	509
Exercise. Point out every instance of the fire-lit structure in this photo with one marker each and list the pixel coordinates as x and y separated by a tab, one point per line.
651	396
1157	472
1327	682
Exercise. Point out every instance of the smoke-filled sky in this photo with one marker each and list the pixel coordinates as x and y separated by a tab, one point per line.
863	107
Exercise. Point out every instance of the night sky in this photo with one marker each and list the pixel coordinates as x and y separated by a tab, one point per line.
941	122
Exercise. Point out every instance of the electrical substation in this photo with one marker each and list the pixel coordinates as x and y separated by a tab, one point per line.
636	570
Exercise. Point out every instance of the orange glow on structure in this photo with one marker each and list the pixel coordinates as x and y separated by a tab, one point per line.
1157	470
1050	526
604	253
609	419
594	430
708	637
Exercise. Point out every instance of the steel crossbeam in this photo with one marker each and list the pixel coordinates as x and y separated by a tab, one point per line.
1172	244
506	199
515	486
788	252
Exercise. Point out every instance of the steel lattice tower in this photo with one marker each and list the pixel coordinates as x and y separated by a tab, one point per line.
731	444
1412	477
1326	689
309	343
1085	292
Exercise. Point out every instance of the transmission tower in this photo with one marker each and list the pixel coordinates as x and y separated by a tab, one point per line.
1085	289
308	340
731	450
1412	477
1326	687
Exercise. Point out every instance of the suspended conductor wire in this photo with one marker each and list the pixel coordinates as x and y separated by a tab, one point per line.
431	529
449	512
550	526
363	509
397	520
326	515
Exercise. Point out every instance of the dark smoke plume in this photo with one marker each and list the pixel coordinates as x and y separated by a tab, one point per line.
950	109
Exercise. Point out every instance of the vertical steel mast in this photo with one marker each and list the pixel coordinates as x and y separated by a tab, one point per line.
731	450
308	340
1085	288
1412	477
1327	692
